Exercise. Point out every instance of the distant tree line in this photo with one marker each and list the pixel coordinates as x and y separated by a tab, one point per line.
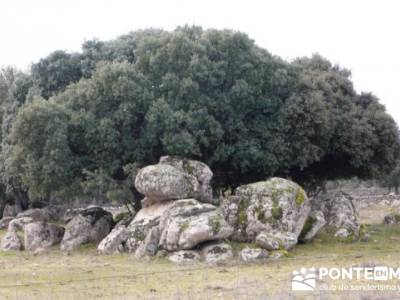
83	123
392	180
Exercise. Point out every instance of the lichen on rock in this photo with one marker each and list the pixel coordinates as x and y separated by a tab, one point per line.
175	178
187	223
276	205
335	214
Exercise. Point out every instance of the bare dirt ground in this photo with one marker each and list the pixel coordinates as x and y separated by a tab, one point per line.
85	275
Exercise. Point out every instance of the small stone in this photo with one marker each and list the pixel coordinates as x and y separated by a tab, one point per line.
366	237
184	257
215	253
162	253
253	254
342	233
276	240
278	254
40	251
11	242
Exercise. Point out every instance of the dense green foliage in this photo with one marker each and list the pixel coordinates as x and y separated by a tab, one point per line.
84	122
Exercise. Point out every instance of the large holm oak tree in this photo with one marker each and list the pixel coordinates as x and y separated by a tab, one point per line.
90	119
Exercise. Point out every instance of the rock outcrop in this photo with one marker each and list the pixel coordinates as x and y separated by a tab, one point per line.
70	213
4	222
42	235
11	242
36	214
392	218
146	219
173	179
164	182
314	224
115	241
199	170
176	214
184	257
179	220
89	226
19	223
45	214
276	240
253	254
187	223
276	208
335	214
149	247
210	253
216	253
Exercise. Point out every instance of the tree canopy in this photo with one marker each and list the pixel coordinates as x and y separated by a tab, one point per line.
86	121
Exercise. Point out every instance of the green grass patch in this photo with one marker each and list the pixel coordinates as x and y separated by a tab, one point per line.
6	254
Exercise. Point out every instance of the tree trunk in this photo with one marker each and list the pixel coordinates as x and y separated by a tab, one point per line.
22	200
2	205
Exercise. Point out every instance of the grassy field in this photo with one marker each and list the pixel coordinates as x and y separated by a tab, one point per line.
85	275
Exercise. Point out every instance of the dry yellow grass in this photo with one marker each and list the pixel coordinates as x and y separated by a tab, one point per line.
84	274
374	214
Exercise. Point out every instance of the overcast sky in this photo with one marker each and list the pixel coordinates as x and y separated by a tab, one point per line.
361	35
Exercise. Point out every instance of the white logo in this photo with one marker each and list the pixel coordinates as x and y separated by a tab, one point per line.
304	280
381	273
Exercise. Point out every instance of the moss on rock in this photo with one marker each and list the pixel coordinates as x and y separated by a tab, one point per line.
183	226
215	224
300	196
310	221
242	218
260	213
277	212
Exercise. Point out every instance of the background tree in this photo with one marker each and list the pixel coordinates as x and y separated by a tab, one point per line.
209	95
55	72
337	133
392	180
14	87
41	155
